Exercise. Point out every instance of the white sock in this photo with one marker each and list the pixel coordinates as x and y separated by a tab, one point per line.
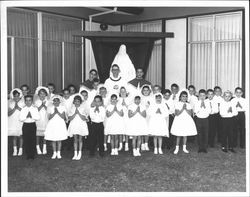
14	150
20	152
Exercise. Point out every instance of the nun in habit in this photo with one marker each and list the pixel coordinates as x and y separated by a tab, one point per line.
127	69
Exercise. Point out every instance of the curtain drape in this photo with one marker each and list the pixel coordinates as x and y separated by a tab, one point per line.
22	26
215	51
154	72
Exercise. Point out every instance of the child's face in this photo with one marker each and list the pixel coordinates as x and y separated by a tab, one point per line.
139	73
158	99
25	91
167	96
77	103
137	101
191	91
210	95
145	91
103	92
28	101
85	95
72	90
184	98
16	97
227	97
51	89
156	89
174	90
95	85
42	95
66	94
113	100
98	102
217	92
56	102
238	93
202	96
123	92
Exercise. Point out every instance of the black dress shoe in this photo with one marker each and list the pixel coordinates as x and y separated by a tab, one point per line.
224	150
232	150
200	151
204	151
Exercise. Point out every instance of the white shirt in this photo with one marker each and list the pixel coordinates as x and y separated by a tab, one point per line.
113	85
218	100
202	112
242	102
97	117
34	114
170	105
193	100
224	106
213	105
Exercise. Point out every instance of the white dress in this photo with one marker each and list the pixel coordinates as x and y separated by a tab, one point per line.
77	126
115	123
43	121
56	128
183	124
137	125
127	101
158	122
14	125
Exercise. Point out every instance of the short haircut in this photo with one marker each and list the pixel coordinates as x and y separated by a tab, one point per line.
202	91
115	65
28	96
25	85
210	90
96	80
228	92
71	85
239	88
191	86
77	97
166	91
113	96
93	70
51	84
98	97
146	86
103	87
84	91
158	95
217	87
15	92
65	89
43	90
137	97
140	68
174	85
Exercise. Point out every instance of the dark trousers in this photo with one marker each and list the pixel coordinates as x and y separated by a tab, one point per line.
240	129
96	137
227	132
170	140
219	127
202	125
29	139
212	129
192	138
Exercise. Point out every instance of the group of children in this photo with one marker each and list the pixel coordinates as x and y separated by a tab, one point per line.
114	117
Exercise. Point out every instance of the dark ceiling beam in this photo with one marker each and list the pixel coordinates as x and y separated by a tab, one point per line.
129	10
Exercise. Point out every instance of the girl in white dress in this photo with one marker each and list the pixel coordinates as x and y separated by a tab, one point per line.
158	122
124	100
15	104
56	130
42	104
146	100
115	123
183	124
137	124
77	126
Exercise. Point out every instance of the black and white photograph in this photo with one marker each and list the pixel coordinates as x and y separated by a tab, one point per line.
130	98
